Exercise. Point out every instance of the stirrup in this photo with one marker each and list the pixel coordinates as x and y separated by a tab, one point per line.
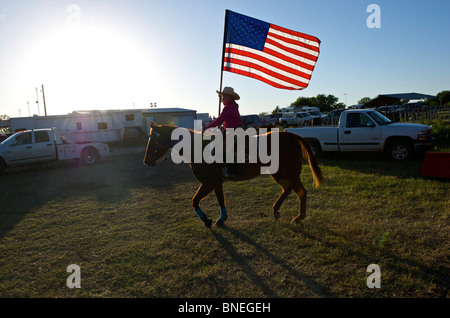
225	175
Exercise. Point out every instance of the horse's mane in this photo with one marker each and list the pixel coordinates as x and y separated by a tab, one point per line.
173	127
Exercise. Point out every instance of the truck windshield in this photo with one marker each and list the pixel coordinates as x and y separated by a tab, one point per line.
380	119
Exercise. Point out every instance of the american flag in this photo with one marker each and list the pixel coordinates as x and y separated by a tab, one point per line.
275	55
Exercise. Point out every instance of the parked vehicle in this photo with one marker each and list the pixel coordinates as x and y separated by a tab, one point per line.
385	109
313	111
407	111
368	130
255	122
316	114
292	110
270	119
332	118
299	119
4	136
41	145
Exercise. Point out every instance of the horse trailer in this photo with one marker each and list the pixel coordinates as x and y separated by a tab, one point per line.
106	125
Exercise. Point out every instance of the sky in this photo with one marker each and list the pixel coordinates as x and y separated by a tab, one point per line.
117	54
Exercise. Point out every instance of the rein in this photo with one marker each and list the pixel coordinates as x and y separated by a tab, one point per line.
162	159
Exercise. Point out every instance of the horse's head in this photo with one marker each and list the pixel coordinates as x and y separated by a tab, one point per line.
158	144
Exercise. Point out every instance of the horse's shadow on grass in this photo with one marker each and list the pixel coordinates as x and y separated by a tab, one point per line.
391	260
312	284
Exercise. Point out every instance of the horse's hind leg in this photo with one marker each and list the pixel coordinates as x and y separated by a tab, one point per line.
201	193
301	194
221	199
287	188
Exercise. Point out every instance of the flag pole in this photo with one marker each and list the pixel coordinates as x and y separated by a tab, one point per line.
223	55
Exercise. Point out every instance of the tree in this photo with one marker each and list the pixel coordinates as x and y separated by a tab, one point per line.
324	102
276	110
339	106
441	99
4	129
327	102
302	101
364	100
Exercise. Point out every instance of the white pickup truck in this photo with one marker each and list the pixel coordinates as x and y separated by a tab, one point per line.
298	119
39	145
368	130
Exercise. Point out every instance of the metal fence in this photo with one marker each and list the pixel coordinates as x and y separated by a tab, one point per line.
412	115
420	115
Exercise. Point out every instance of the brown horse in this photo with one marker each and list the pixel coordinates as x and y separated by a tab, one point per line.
291	150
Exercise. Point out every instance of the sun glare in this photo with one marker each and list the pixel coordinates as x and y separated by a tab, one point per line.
90	68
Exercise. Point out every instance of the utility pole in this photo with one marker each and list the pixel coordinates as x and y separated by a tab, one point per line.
37	101
43	97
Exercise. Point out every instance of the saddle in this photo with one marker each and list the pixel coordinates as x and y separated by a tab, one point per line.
234	170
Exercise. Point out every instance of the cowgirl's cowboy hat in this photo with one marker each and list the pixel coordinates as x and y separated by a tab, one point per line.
229	91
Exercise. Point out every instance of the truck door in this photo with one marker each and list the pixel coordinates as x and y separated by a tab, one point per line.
359	134
20	149
43	147
298	119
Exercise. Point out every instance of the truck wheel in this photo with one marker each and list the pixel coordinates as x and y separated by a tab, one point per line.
399	150
89	157
284	124
315	147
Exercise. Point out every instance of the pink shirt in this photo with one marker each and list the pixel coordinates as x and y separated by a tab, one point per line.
230	117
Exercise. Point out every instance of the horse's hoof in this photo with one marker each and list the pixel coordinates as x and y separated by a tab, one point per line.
219	222
208	223
296	220
276	214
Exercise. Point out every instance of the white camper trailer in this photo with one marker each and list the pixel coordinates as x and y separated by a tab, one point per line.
106	125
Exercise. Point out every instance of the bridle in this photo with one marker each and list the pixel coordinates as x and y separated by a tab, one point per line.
155	142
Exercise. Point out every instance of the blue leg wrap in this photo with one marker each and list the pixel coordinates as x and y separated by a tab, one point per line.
200	214
223	214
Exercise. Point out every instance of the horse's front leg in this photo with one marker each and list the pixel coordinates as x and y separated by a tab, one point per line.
201	193
221	199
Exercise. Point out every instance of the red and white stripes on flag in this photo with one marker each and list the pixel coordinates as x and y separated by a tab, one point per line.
275	55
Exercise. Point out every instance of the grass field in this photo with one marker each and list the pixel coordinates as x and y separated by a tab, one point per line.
133	232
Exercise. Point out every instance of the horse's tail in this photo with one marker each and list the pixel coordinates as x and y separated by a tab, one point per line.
308	155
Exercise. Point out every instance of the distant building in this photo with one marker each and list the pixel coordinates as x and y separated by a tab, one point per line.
204	117
169	116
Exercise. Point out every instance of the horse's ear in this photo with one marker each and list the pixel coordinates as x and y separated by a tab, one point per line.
151	124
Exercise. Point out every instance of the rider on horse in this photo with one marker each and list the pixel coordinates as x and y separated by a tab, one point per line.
230	118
